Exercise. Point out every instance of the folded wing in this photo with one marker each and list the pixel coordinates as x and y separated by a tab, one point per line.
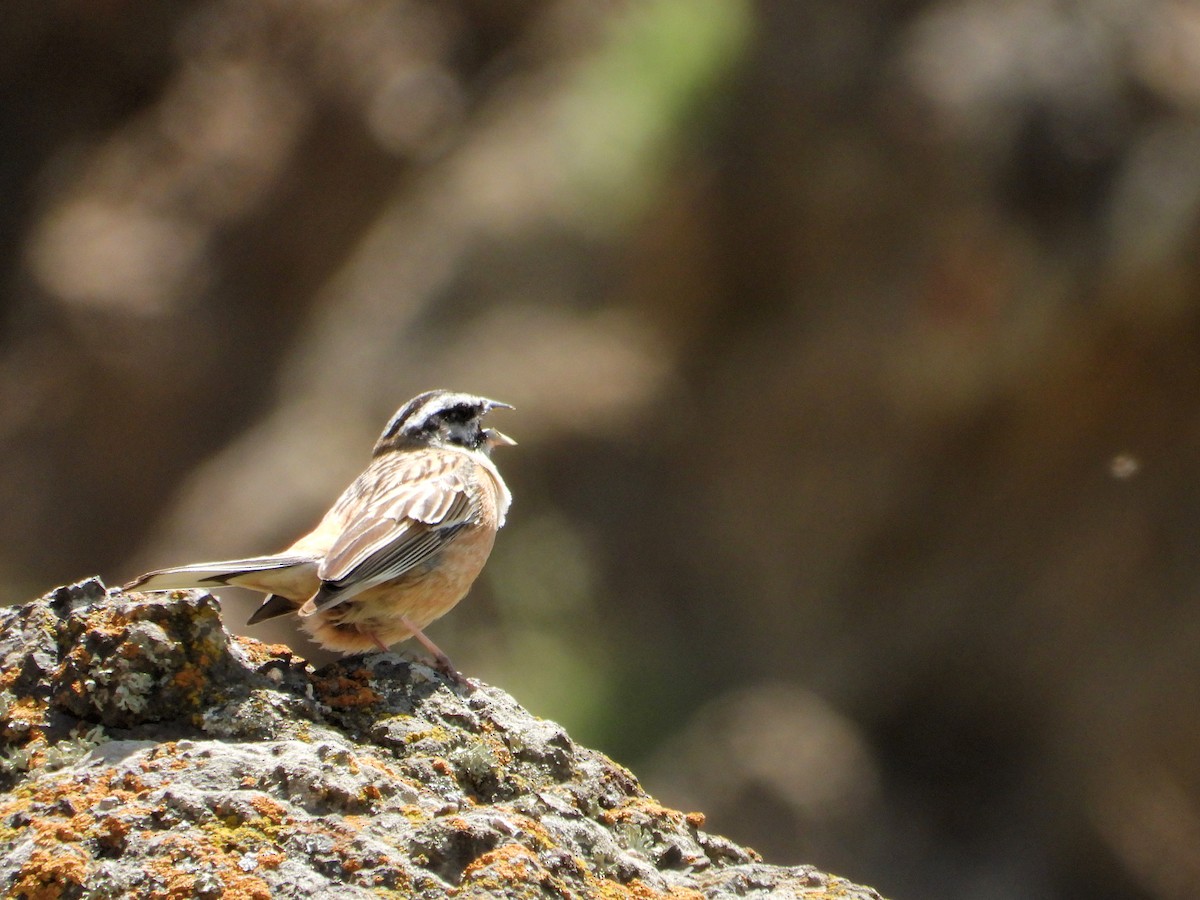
417	506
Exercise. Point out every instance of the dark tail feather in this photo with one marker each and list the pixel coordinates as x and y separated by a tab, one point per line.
273	607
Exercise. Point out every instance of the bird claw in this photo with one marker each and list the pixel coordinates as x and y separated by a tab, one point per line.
441	662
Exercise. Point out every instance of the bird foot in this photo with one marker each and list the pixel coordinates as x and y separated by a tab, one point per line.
441	662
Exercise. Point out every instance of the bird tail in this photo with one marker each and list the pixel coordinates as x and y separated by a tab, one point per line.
254	573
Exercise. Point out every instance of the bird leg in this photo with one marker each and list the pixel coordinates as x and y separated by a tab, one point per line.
441	660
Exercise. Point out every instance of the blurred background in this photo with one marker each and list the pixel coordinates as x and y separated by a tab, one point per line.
854	348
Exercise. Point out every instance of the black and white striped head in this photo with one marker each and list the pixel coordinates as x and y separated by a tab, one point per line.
442	419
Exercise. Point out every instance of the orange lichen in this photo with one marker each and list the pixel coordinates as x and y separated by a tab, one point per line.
130	782
260	653
695	819
165	758
111	833
107	621
271	810
509	864
190	679
499	750
28	711
639	890
24	720
8	677
65	831
345	692
384	869
63	816
271	859
173	870
413	813
50	872
640	808
81	795
535	831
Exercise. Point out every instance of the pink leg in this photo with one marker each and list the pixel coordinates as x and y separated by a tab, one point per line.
441	660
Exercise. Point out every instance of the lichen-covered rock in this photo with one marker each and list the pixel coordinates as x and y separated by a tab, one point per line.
147	753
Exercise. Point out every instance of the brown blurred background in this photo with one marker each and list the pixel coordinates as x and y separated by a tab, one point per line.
854	348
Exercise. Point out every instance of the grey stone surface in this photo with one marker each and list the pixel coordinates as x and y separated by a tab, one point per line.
146	752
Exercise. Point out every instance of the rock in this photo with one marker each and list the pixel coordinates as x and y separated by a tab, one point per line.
146	752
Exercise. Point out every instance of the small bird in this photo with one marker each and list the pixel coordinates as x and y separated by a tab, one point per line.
400	547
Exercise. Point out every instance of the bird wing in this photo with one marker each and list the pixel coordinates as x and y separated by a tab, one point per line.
404	509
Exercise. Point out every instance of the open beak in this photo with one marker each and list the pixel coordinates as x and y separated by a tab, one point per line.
498	438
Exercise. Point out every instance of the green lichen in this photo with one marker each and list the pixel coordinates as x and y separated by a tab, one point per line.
72	749
636	839
45	756
15	760
477	760
132	693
